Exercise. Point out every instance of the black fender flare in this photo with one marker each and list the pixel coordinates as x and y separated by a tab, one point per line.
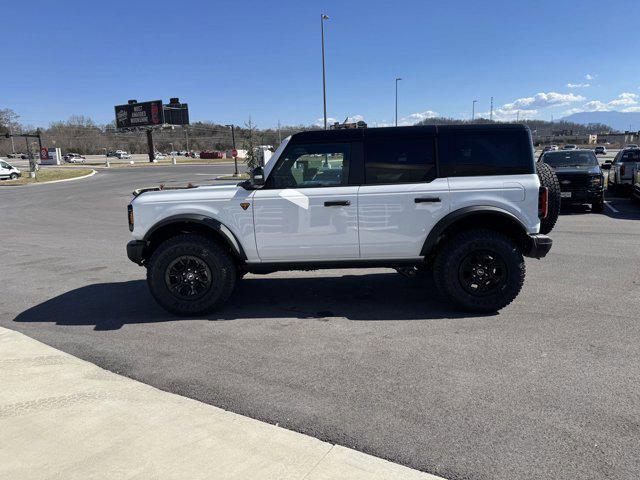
466	213
200	219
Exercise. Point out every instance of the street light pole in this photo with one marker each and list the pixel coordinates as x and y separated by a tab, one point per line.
323	17
473	110
397	80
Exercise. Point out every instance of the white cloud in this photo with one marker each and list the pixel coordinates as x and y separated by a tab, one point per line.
355	118
544	100
625	99
578	85
320	121
503	115
588	76
414	118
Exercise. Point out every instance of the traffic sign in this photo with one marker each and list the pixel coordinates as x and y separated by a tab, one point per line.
44	153
234	153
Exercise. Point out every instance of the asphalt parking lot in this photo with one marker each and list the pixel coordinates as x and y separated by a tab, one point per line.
547	388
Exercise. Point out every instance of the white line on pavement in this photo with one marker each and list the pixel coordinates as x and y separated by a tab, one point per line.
613	209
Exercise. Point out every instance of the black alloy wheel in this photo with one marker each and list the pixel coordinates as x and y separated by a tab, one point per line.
188	277
482	272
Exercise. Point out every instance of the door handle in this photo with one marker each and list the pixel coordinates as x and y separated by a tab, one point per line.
337	203
428	200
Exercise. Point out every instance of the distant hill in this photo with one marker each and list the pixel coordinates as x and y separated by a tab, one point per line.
617	120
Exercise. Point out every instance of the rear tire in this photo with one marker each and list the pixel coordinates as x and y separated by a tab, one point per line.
479	271
190	275
549	179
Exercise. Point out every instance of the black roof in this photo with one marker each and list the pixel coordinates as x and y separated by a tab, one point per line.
385	132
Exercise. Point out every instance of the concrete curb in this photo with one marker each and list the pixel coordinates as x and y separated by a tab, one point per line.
93	172
62	417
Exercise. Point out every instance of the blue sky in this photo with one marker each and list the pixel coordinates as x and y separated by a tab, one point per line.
231	60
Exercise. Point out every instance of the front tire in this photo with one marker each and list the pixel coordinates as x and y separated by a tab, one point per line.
13	176
190	275
479	271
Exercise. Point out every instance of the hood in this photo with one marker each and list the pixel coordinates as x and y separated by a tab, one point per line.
587	170
187	193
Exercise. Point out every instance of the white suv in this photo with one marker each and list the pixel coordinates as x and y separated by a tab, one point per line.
464	202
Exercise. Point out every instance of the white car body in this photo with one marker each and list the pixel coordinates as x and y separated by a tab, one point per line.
381	221
73	158
8	171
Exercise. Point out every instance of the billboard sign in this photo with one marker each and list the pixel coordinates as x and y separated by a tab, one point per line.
141	114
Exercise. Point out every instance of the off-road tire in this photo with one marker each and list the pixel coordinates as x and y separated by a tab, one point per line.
449	264
220	265
598	206
549	179
13	176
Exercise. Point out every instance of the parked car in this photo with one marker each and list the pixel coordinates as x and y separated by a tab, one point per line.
600	150
622	170
581	179
17	155
159	156
74	158
122	154
8	171
469	213
112	153
570	146
632	146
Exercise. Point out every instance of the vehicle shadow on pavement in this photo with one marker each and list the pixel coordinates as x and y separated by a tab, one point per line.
379	296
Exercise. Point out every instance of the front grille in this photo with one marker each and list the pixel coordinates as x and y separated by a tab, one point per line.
574	182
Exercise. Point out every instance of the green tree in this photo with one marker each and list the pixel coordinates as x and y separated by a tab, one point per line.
249	144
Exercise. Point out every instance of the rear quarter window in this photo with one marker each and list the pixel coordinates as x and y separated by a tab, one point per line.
631	156
485	153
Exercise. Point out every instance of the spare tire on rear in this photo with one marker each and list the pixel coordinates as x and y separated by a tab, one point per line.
549	179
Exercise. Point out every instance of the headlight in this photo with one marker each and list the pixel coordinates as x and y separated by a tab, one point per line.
596	181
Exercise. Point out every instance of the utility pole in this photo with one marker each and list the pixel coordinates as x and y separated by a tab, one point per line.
279	135
323	17
152	151
517	116
186	135
13	147
491	111
397	79
473	110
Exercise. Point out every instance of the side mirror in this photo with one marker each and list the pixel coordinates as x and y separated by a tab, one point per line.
257	177
606	166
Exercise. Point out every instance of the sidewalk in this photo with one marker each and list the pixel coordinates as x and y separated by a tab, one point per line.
64	418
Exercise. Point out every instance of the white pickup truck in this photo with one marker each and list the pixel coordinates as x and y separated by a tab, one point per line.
461	202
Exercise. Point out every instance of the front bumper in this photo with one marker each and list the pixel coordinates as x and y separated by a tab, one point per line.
135	251
539	246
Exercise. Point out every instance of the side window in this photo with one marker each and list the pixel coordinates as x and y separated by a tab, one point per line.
402	160
631	156
312	165
4	165
492	153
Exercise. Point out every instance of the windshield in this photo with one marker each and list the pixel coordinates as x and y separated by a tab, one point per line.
575	158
